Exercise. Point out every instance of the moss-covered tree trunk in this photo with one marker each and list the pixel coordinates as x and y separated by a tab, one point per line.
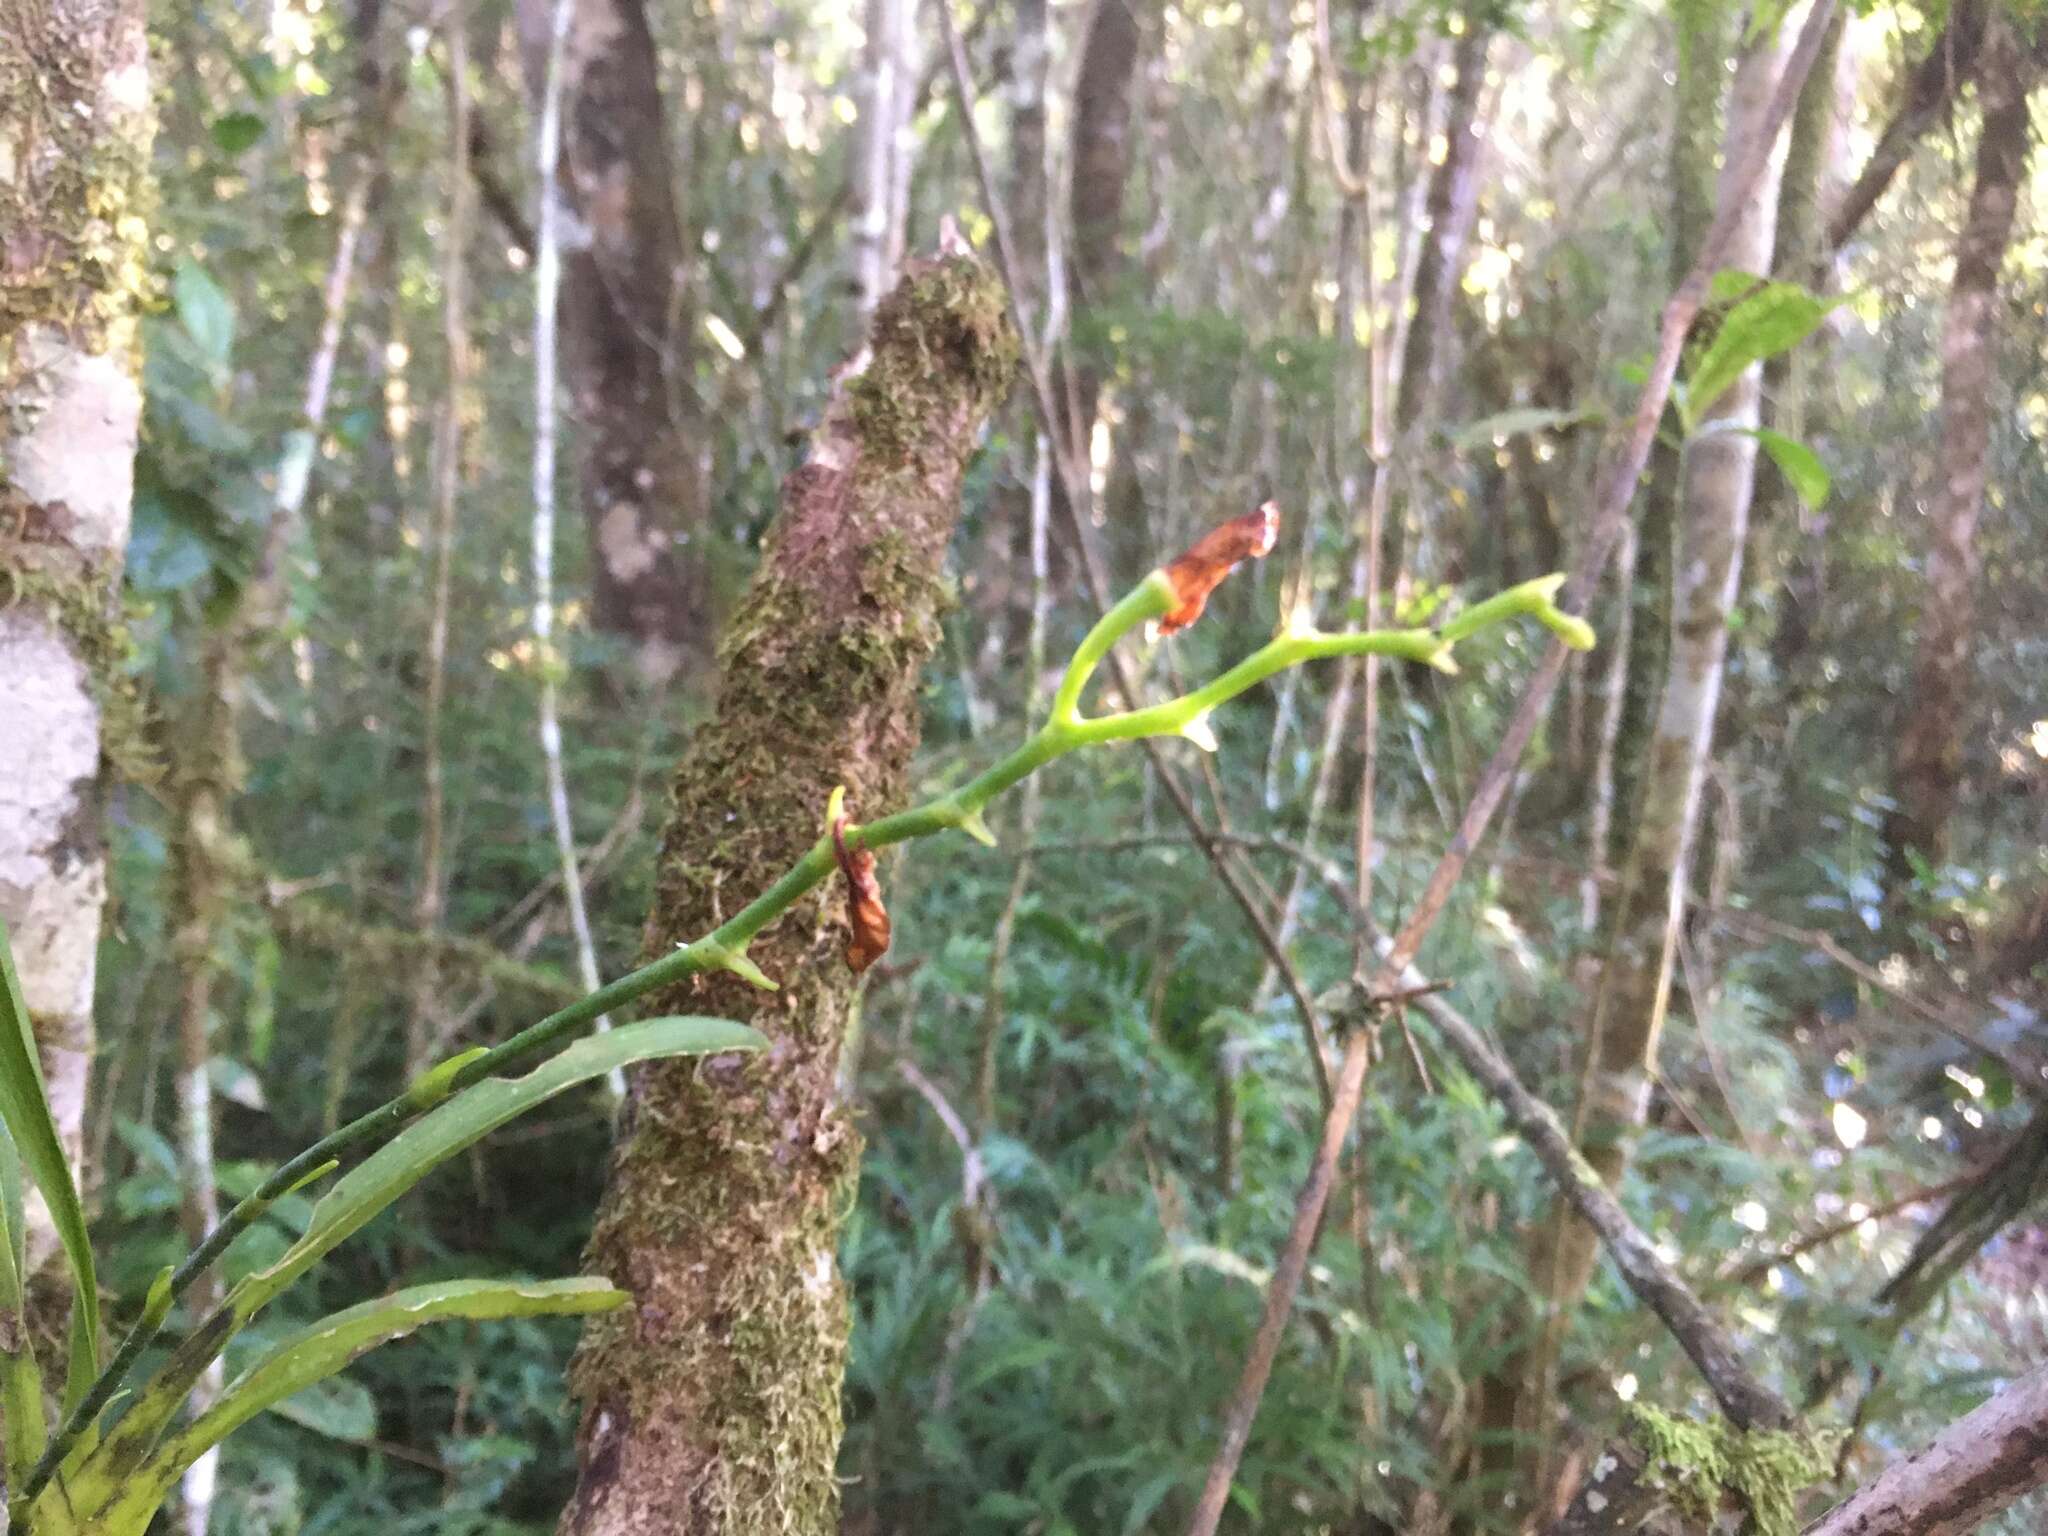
75	128
712	1406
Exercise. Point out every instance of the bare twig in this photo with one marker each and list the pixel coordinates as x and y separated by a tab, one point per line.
1755	1269
1612	498
1719	1357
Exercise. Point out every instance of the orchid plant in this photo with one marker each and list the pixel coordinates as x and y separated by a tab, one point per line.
106	1474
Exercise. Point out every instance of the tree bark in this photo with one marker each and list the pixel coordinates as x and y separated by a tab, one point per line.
1965	1475
1718	480
1101	168
713	1405
75	197
1703	32
1929	767
629	317
882	184
1453	203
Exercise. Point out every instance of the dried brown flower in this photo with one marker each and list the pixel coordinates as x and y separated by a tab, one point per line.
1219	551
869	918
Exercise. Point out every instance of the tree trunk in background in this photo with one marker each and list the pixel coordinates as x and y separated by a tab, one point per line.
712	1407
1642	926
75	132
1100	166
1025	189
889	89
999	586
1453	203
1928	94
1929	766
1801	257
630	321
1787	555
1704	31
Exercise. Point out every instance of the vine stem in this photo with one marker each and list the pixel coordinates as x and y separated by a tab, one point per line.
724	948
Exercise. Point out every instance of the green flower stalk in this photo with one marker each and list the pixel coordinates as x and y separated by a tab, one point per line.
1169	598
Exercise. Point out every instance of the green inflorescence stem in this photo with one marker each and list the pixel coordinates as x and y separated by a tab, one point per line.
724	948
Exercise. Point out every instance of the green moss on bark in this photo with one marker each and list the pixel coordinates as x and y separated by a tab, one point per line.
1700	1465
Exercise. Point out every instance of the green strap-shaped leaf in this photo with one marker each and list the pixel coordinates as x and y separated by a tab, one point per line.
21	1384
466	1119
125	1500
389	1172
25	1109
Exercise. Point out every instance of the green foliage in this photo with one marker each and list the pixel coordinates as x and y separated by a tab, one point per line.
25	1112
1769	318
110	1496
1700	1464
1799	464
112	1484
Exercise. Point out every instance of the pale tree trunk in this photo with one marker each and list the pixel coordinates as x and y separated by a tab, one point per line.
1928	769
1629	1007
1449	209
1025	510
75	197
1002	601
547	274
423	1021
888	89
1703	41
712	1406
1027	188
629	320
1448	215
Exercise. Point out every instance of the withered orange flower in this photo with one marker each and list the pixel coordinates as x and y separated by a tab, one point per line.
1214	556
870	937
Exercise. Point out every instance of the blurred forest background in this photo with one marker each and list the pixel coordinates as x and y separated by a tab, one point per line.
1396	264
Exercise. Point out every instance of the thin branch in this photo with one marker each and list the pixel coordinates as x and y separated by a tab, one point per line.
1746	1401
1611	504
1755	1269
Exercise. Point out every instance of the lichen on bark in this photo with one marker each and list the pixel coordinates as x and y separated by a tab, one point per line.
75	130
712	1405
